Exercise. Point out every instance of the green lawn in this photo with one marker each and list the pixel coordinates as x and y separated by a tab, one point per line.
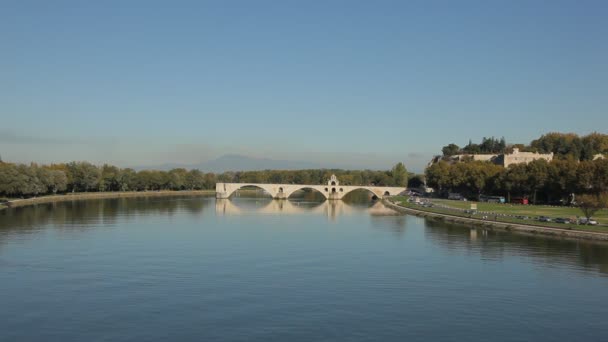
527	210
455	208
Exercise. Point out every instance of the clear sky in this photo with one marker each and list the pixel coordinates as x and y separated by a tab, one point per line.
346	83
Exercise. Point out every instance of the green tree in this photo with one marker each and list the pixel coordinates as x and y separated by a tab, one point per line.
450	150
438	176
415	181
10	180
59	181
177	179
593	144
538	176
600	176
399	174
127	180
589	204
109	178
194	180
84	176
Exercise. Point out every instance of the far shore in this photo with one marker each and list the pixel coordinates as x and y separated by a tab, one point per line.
99	195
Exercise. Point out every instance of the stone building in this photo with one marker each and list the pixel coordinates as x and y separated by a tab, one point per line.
516	157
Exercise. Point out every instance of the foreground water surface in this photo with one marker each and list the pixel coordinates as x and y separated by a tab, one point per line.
197	269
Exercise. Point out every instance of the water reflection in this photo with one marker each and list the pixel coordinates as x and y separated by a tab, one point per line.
97	211
82	216
499	245
331	209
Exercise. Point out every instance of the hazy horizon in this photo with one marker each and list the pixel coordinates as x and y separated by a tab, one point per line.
340	84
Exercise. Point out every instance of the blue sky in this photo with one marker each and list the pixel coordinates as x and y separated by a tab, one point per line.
340	83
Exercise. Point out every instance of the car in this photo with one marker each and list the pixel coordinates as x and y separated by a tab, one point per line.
590	221
544	219
561	220
455	196
521	217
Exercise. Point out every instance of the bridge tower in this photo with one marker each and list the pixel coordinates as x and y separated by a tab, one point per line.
333	190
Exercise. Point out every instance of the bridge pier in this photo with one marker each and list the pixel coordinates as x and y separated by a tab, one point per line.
279	196
221	195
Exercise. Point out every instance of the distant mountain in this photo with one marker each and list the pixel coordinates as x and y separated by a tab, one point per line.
235	162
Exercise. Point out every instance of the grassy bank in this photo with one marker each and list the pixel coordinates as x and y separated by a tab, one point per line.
506	213
12	203
519	209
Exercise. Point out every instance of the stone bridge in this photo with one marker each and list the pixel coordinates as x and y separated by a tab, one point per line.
332	191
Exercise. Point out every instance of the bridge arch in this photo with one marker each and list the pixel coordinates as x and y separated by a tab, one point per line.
264	187
376	194
303	187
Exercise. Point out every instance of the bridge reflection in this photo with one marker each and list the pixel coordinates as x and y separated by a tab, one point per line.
331	209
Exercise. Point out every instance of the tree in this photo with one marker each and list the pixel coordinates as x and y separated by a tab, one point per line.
562	179
594	143
563	145
127	180
471	148
59	181
515	179
416	181
600	176
538	176
10	182
177	179
194	180
450	150
84	176
438	176
399	174
585	175
590	204
109	179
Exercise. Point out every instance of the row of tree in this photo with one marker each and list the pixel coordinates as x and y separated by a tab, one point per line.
563	145
32	180
539	180
487	146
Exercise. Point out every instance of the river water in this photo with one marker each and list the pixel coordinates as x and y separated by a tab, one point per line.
251	269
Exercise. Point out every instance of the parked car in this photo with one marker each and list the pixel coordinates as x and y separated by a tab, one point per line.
544	219
456	196
590	221
561	220
521	217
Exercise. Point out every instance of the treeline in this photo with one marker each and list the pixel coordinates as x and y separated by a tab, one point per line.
563	145
541	181
19	180
487	146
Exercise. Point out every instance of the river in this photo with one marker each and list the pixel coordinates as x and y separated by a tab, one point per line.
254	269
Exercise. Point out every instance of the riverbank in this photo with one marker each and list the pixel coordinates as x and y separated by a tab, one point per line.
507	226
100	195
